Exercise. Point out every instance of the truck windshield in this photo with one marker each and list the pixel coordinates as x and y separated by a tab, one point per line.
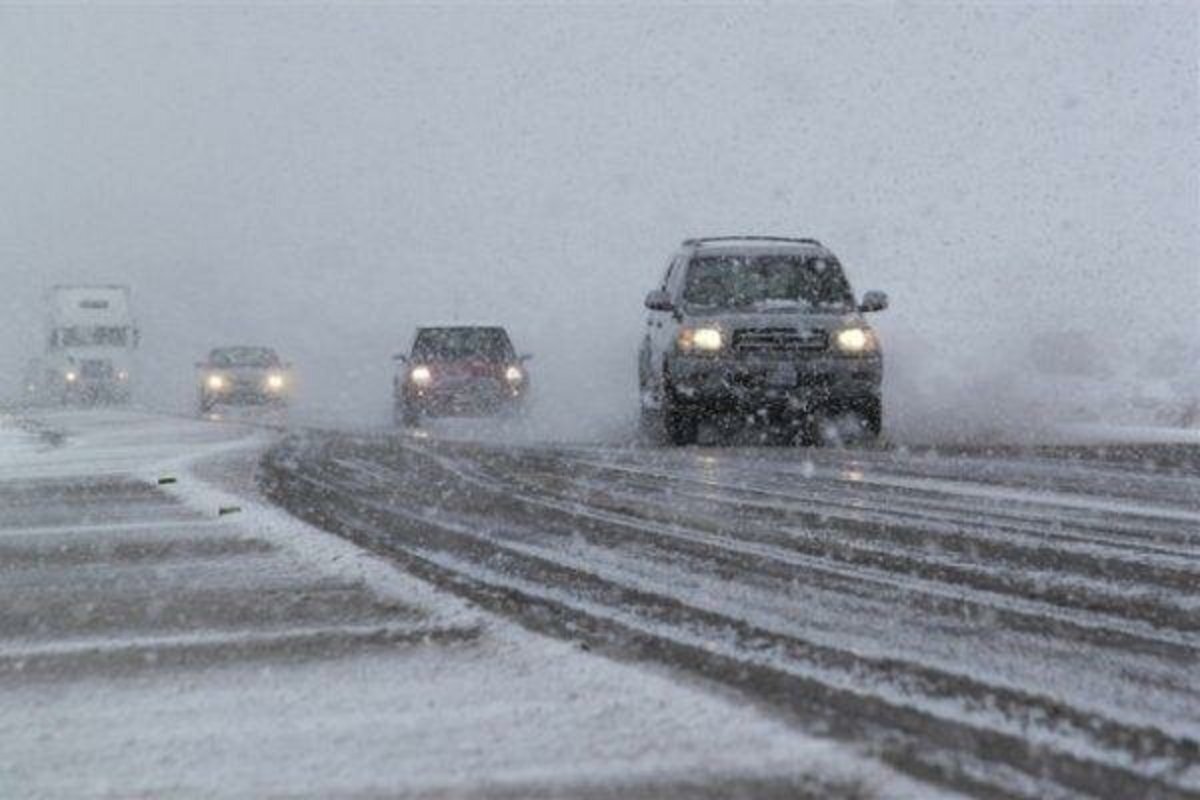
457	344
767	282
93	337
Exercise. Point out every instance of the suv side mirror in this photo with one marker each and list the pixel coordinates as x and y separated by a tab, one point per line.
873	301
659	300
525	357
401	357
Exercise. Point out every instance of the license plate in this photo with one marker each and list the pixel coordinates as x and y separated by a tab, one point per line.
784	376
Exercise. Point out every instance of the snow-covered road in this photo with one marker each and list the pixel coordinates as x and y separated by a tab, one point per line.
1022	623
166	633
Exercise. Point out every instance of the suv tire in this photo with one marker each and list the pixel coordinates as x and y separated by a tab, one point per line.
682	426
871	410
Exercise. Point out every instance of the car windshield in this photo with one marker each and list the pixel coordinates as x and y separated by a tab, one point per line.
766	283
244	357
456	344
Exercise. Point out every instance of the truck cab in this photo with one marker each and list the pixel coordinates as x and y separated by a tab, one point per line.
91	338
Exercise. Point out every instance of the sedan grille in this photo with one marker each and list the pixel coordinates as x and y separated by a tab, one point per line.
96	370
779	340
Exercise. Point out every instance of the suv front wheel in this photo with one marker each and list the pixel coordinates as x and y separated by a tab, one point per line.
871	411
682	424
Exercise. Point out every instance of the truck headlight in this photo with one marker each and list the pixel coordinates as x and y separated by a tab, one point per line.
420	376
215	382
700	340
856	341
275	382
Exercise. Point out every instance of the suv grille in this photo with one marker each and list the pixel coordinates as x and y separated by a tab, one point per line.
96	370
778	340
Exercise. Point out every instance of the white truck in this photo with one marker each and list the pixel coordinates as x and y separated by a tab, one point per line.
91	337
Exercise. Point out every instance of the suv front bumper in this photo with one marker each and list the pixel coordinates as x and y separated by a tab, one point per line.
730	383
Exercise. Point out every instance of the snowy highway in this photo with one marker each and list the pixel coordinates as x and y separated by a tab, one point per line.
165	632
999	623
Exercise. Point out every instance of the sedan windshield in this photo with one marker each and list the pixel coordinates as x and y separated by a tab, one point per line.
458	344
244	357
766	282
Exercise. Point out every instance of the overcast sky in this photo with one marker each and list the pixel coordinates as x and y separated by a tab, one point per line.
323	179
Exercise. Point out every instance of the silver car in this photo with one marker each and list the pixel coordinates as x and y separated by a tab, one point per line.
243	376
758	328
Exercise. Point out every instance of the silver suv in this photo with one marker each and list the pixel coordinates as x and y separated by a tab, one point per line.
758	328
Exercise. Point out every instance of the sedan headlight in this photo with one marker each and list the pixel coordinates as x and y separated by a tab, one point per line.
215	382
514	375
275	382
700	340
856	341
71	377
420	376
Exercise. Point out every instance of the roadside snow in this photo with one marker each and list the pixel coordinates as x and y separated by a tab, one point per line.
1095	433
16	444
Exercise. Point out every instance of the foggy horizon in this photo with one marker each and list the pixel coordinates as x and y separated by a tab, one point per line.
323	180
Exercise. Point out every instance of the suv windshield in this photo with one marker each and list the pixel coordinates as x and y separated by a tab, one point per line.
244	357
455	344
767	282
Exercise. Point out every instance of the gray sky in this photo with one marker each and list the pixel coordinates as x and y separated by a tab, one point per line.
325	178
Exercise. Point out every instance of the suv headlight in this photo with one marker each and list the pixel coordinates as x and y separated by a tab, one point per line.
701	340
856	341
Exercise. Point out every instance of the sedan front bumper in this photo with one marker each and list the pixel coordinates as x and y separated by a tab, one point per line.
467	400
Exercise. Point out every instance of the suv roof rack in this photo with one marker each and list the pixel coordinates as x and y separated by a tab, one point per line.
708	239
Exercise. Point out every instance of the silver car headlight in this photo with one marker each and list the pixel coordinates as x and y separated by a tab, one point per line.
421	376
